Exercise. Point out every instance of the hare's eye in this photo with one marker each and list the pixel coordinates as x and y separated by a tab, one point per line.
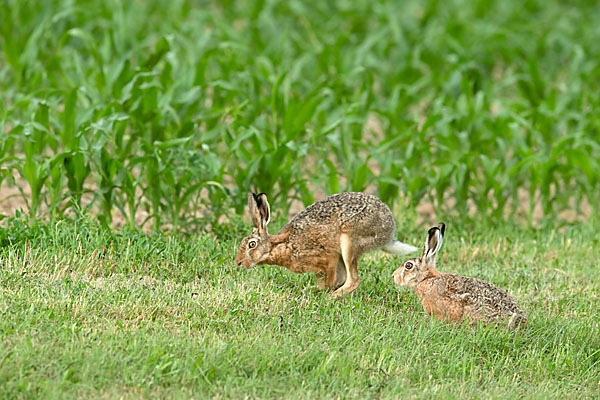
409	266
252	244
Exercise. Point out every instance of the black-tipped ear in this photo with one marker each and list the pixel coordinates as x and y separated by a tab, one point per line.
253	209
264	209
433	240
442	228
426	246
433	243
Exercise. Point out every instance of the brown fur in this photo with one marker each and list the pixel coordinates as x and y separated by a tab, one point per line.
321	238
454	297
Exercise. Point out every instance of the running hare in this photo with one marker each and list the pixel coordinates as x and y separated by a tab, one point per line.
326	238
455	297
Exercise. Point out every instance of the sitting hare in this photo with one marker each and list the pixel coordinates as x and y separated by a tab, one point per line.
326	238
455	297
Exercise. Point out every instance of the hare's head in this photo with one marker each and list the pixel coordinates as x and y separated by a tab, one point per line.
255	248
415	270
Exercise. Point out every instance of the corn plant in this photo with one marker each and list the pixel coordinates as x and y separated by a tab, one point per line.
179	110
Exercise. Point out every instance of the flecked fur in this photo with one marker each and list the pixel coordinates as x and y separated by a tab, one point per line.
454	297
312	241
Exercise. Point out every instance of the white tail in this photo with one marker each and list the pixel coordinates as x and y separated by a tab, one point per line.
399	248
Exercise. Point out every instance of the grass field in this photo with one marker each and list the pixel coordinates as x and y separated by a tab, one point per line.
88	313
131	132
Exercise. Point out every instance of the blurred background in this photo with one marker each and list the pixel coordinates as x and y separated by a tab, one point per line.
165	113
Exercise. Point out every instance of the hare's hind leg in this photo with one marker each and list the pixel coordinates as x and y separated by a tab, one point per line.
350	258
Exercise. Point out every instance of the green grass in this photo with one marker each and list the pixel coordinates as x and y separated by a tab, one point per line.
89	313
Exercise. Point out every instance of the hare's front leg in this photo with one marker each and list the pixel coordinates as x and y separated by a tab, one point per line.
350	259
340	273
321	283
335	273
323	277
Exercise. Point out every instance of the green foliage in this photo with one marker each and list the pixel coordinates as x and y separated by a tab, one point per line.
179	108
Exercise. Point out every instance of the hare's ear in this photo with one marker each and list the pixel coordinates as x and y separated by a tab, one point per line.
442	227
433	244
264	209
428	242
253	208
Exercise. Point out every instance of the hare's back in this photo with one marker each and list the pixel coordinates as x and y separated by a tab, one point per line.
355	213
479	298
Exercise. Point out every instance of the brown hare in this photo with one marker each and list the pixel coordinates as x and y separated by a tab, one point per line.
326	238
454	297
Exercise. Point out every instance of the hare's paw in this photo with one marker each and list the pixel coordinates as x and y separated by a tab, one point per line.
319	286
346	289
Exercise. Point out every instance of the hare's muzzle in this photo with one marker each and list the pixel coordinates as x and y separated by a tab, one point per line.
243	263
239	260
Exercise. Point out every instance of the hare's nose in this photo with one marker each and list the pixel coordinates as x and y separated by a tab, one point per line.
239	263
